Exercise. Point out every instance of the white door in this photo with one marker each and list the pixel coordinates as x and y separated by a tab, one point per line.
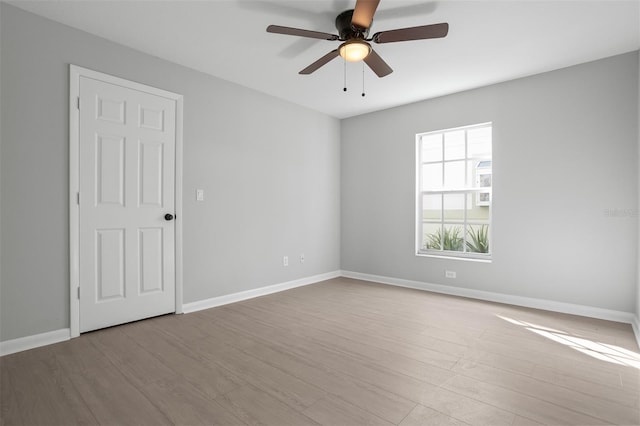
127	141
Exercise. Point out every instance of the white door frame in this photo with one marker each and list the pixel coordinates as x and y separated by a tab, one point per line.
75	72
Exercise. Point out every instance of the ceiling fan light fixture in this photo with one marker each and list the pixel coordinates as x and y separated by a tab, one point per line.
354	50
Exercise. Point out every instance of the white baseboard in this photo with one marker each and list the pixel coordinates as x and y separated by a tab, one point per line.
636	329
250	294
30	342
547	305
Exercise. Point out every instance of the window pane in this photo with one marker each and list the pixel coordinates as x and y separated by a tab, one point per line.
454	145
453	206
454	174
452	238
432	148
432	207
484	198
471	174
478	238
431	236
479	142
432	176
479	211
484	180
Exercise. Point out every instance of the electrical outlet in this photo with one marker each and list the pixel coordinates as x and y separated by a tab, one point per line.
450	274
285	261
302	258
199	194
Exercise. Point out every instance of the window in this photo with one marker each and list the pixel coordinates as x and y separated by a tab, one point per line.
454	181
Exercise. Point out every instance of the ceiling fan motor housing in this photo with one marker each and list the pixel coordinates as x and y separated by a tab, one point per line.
348	31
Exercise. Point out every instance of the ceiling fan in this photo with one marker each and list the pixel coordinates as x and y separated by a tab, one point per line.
353	29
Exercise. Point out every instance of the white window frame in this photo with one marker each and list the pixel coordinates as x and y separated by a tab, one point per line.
474	191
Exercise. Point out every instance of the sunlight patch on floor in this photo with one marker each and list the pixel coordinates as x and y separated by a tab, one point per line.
601	351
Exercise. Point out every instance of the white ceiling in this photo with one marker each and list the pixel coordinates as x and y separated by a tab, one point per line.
488	42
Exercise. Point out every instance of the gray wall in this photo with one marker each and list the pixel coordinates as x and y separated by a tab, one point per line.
270	171
565	154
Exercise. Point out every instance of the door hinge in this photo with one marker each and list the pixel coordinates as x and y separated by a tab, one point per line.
78	292
78	103
78	198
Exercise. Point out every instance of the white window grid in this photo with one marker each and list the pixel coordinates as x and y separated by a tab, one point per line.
466	191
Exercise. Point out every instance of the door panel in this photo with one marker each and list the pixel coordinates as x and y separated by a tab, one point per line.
112	110
109	276
151	155
109	170
127	185
151	260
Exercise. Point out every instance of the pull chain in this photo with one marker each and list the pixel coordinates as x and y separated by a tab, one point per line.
362	78
345	77
344	89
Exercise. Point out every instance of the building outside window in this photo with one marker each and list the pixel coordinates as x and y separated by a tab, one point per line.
454	192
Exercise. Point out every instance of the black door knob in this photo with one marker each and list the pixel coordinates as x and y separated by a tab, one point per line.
168	216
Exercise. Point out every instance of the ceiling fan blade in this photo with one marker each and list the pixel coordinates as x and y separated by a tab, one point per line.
363	13
320	62
277	29
377	64
413	33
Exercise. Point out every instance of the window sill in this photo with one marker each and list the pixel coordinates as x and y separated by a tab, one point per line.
456	257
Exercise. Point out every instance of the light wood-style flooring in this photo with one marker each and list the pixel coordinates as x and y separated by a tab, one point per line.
341	352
